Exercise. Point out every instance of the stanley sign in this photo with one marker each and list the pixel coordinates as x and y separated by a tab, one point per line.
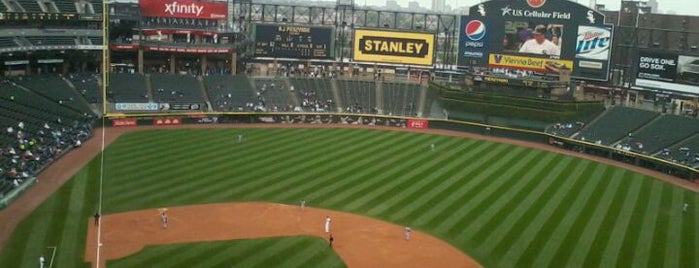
393	47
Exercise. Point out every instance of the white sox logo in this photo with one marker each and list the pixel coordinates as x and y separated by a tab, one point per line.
176	8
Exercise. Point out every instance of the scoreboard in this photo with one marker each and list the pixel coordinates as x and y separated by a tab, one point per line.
292	41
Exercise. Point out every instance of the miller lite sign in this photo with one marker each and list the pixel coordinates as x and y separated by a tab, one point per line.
593	43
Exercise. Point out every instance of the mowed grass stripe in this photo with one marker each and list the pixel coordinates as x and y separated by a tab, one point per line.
457	199
645	236
35	230
493	205
631	234
299	170
674	230
351	173
660	232
496	244
323	176
211	145
557	212
76	205
542	228
593	258
619	227
262	258
200	168
690	226
289	180
306	250
198	188
470	229
432	183
535	209
502	209
438	197
451	203
419	182
392	177
439	188
366	181
201	152
309	198
596	217
149	152
411	177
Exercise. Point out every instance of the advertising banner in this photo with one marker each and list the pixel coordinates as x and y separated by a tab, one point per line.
393	47
416	123
593	43
167	121
529	63
563	32
192	50
131	106
124	122
183	9
668	71
177	31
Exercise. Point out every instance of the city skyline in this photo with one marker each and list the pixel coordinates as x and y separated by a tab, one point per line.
679	7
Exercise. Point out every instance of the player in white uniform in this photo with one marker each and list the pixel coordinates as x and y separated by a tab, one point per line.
539	44
163	219
327	224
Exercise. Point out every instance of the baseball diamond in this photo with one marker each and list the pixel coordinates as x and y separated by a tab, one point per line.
505	205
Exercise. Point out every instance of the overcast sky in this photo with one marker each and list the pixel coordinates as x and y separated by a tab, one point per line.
684	7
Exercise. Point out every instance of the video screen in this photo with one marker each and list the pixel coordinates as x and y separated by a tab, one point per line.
528	37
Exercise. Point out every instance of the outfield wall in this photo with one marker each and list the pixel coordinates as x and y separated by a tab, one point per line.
645	161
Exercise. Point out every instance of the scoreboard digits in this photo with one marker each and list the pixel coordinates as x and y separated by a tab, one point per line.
288	41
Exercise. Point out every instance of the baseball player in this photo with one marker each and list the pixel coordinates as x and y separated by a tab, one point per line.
327	224
163	219
407	232
432	147
97	218
303	204
42	261
240	138
685	207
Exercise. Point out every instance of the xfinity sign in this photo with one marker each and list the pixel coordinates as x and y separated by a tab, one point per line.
183	9
176	8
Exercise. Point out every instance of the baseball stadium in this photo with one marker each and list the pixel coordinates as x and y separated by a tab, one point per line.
239	133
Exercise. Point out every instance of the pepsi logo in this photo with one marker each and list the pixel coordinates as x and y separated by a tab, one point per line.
475	30
536	3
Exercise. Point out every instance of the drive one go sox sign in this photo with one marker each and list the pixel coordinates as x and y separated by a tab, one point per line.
183	9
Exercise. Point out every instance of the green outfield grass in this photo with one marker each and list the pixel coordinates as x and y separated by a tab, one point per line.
292	252
506	206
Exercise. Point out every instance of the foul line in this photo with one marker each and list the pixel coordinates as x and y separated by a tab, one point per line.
99	204
53	255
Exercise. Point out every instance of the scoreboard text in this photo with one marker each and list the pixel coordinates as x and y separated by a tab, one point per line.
286	41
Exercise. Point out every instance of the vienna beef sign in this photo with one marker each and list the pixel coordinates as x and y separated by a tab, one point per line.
183	9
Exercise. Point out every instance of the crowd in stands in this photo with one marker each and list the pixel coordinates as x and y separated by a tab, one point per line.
30	140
